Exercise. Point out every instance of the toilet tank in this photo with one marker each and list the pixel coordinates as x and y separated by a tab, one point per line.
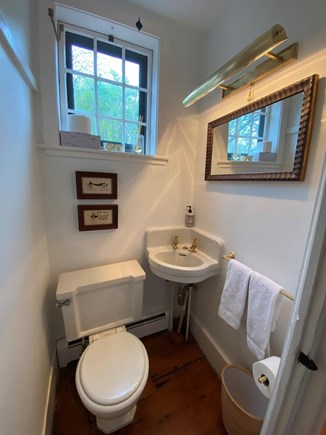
100	298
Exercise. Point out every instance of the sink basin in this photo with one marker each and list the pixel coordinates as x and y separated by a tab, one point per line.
179	258
181	265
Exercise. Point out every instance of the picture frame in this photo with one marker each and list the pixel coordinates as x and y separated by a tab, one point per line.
97	217
96	185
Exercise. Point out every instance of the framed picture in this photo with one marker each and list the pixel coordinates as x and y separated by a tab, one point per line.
96	185
97	217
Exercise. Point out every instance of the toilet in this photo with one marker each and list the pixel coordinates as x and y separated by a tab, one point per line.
113	369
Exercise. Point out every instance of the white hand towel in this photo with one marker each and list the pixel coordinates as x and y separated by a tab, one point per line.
234	293
264	306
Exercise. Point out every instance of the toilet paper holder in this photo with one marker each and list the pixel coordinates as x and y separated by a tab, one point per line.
263	379
264	373
303	359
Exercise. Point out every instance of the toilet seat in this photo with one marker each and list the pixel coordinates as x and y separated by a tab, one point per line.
113	368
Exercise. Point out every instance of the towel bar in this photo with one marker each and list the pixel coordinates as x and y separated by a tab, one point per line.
231	255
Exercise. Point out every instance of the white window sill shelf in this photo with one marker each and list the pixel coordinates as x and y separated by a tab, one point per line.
84	153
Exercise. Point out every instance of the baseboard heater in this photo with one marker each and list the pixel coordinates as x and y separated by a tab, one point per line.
67	352
149	325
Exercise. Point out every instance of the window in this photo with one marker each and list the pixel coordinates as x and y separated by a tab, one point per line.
110	81
246	133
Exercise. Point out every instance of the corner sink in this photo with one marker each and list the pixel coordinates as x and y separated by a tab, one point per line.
179	258
181	265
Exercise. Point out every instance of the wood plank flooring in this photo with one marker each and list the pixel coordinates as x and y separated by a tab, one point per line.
182	395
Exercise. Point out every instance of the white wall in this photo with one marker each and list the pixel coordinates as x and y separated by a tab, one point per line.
26	349
265	223
148	195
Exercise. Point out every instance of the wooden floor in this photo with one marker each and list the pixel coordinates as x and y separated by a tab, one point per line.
182	395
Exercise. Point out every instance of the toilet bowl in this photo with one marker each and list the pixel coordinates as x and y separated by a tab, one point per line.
110	377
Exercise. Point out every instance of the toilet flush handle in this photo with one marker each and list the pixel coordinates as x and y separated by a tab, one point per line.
65	302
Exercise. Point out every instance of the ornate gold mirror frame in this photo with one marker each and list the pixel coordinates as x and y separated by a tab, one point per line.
251	170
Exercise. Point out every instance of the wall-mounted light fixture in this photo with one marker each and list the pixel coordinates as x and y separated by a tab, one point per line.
262	46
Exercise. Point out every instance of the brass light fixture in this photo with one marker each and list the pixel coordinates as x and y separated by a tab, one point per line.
262	46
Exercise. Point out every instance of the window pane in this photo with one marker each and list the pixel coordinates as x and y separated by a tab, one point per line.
109	67
243	145
253	147
79	52
255	126
84	99
110	130
132	104
131	134
82	60
132	73
109	99
135	105
134	138
232	127
245	125
231	145
141	60
94	124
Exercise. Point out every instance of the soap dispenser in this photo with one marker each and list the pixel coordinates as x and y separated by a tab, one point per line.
190	217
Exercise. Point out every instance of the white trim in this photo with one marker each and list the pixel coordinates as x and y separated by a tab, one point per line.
9	45
50	398
104	25
209	346
63	151
309	299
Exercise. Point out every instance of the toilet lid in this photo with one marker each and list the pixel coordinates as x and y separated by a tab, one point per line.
112	368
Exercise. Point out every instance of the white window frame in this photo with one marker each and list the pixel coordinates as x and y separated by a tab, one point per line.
87	24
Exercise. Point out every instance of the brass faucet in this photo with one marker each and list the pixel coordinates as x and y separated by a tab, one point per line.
175	241
193	247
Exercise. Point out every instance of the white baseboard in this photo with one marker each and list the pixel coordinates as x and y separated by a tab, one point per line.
208	345
50	400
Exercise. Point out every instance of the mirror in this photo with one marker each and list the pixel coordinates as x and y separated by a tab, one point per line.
265	140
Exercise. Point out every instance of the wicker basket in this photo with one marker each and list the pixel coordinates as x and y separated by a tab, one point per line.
243	405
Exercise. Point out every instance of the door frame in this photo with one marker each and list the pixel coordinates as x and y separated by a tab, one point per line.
295	383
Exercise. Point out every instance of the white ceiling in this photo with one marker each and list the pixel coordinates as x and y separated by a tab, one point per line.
199	14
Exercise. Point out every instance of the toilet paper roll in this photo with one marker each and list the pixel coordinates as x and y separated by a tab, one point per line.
79	124
267	367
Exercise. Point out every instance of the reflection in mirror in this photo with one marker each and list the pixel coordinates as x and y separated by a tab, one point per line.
268	134
268	139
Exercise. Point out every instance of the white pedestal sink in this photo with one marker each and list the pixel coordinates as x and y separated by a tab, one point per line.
180	265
